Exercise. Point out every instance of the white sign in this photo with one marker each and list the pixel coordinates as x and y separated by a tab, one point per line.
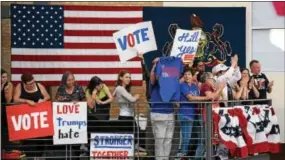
70	123
185	42
138	38
111	146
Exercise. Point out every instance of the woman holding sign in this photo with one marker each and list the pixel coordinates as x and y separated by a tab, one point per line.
99	98
31	92
69	91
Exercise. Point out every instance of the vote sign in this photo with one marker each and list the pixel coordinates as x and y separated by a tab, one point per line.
26	121
70	122
138	38
186	42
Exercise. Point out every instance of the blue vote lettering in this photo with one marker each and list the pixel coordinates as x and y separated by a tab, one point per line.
131	39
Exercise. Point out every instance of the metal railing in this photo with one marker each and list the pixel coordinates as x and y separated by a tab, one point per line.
43	148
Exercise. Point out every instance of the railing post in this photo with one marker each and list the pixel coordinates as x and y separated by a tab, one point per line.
208	133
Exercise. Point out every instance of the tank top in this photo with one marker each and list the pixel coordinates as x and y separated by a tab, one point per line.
35	96
3	98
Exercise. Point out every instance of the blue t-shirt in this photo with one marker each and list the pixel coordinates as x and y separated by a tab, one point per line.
169	70
187	110
165	108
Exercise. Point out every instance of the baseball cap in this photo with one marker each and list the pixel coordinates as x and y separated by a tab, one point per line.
219	67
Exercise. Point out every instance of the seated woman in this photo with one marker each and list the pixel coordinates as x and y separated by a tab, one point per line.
189	92
69	91
99	98
31	92
6	97
6	88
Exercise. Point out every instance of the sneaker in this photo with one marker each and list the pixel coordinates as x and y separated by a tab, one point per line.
180	155
222	152
139	148
84	148
83	154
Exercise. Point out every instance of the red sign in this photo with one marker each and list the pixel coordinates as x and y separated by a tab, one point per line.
279	8
26	121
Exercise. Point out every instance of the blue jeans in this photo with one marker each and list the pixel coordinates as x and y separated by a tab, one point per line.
186	125
201	141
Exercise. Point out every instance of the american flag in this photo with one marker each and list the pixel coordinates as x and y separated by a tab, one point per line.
49	40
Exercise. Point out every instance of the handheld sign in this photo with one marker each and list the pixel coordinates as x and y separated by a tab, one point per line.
136	38
70	123
111	146
185	44
26	122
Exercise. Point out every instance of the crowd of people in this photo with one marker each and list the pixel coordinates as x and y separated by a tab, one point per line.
194	84
222	84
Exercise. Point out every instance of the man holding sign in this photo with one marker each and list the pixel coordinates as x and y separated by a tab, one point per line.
136	38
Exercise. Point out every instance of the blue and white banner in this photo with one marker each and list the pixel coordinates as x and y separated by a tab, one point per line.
111	146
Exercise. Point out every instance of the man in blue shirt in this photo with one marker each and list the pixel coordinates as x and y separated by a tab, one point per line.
162	118
168	71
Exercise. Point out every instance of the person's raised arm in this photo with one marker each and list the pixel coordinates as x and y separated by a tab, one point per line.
253	88
153	77
9	92
238	94
191	97
108	93
216	94
127	95
269	84
230	72
90	98
44	92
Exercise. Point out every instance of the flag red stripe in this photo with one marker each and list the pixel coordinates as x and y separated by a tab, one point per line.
102	20
75	70
66	58
87	33
102	8
89	45
279	8
82	83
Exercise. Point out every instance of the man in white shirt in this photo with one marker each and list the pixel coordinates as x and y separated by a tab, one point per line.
230	75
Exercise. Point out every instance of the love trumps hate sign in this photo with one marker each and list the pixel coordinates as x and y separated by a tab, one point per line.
26	122
138	38
185	42
70	123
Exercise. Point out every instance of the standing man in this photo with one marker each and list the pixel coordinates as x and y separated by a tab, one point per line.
162	118
230	75
260	81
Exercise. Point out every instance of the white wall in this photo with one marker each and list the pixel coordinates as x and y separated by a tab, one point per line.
278	77
270	55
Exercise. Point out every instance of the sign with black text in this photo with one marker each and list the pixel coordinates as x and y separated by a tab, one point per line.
70	123
111	146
